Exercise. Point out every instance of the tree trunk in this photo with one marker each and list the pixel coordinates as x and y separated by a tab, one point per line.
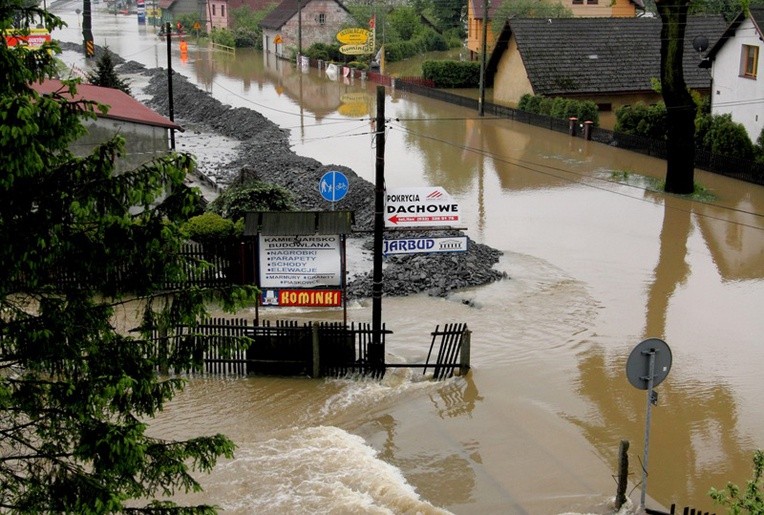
680	108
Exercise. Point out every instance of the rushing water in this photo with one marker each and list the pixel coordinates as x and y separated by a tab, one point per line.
597	260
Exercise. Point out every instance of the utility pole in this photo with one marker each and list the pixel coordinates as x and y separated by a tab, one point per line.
170	105
87	29
484	36
299	29
376	350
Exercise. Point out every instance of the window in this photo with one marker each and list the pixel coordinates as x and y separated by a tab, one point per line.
222	11
749	61
578	2
213	9
592	2
321	19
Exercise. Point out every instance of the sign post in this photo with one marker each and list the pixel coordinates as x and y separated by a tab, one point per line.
648	365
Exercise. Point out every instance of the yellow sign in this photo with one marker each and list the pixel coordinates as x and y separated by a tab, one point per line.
356	49
353	36
197	26
278	39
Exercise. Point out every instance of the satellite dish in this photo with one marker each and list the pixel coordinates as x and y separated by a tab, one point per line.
700	43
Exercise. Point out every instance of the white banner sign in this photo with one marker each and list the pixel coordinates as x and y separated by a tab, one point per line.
418	207
421	245
300	261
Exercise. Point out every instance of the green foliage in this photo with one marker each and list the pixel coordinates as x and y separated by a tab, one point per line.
358	65
223	37
405	22
76	391
751	499
641	119
237	200
452	74
245	24
560	107
528	9
187	21
105	75
210	227
720	135
325	52
759	149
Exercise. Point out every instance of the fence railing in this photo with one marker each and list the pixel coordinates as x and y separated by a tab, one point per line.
240	347
325	349
685	511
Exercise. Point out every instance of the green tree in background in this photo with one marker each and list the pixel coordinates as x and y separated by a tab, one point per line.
79	243
751	499
105	75
528	9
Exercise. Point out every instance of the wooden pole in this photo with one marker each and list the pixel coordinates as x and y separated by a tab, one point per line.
316	352
464	354
171	105
376	352
623	473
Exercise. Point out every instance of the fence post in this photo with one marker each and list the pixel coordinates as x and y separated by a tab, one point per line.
464	354
572	121
623	473
316	352
588	130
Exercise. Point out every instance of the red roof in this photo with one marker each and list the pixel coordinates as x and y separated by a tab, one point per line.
121	105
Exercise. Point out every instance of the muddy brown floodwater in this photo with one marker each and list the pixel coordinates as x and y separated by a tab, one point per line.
598	261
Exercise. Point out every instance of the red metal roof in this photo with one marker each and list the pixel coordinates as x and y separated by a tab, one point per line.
121	105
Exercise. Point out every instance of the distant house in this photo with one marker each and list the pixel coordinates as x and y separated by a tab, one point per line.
611	61
477	17
173	9
146	132
318	22
738	75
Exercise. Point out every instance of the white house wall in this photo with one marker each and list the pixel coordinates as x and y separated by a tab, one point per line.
742	97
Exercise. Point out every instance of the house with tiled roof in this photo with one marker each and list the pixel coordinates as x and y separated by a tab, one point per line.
738	73
611	61
146	132
318	21
478	17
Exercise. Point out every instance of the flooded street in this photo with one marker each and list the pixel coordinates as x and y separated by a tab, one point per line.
597	261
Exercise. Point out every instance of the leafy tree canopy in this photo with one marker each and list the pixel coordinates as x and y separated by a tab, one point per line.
80	242
528	9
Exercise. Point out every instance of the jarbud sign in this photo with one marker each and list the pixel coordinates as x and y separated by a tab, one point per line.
420	206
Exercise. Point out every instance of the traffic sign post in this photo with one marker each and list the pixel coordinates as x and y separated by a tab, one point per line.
333	186
648	365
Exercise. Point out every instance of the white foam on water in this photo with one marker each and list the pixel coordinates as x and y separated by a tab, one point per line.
320	469
373	393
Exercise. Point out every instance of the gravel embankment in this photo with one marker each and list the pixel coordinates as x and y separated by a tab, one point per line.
262	151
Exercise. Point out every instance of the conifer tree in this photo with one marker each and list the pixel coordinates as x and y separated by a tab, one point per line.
77	392
105	75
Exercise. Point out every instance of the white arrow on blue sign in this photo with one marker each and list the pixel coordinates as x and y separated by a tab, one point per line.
333	186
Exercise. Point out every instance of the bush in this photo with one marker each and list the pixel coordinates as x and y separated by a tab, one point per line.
324	52
727	138
760	147
358	65
452	74
560	107
210	228
751	500
237	201
223	37
642	120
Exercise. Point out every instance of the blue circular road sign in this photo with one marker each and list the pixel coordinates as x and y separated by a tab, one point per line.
333	186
